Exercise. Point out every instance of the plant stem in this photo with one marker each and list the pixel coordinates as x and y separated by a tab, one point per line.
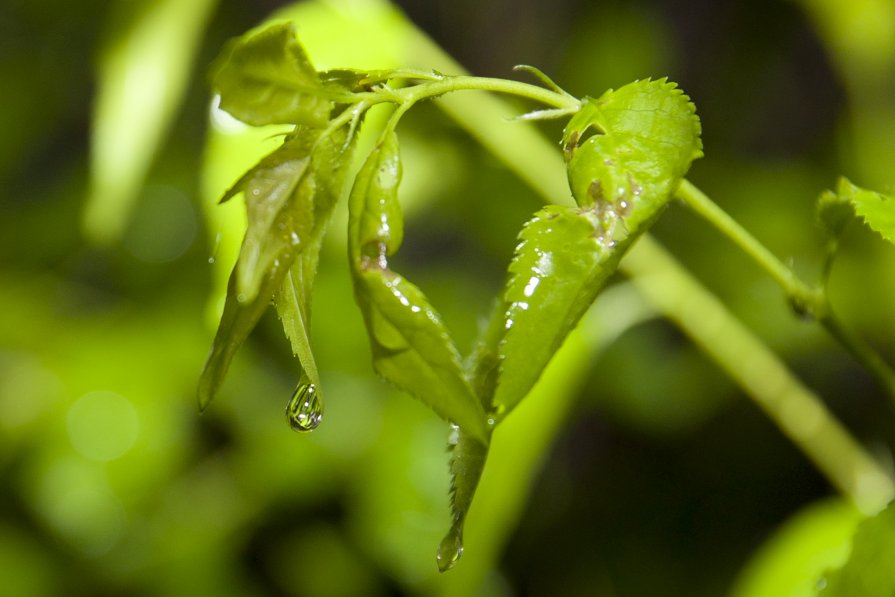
430	88
792	406
805	300
531	157
549	97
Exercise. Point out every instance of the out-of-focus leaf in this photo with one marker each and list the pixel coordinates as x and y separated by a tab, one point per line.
265	77
410	344
869	571
627	152
834	213
836	207
790	562
143	71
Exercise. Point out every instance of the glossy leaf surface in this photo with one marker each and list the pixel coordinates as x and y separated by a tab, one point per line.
237	321
279	195
626	154
411	346
468	456
329	164
288	210
265	77
559	267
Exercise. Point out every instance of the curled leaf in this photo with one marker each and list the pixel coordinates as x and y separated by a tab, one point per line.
410	344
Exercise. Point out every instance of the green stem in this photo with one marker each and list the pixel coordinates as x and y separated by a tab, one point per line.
535	161
792	406
805	300
447	84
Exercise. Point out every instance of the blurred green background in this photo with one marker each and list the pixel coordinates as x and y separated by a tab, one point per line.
638	469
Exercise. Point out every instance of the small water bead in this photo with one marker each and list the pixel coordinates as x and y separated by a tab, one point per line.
450	549
305	409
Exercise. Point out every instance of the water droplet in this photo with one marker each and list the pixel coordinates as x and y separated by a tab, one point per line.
454	436
211	259
451	549
305	409
495	414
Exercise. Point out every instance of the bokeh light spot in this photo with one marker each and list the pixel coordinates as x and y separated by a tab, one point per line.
102	425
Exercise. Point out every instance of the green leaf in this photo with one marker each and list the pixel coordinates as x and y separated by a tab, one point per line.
411	346
237	321
132	112
869	571
791	560
330	161
877	210
632	146
265	77
468	455
279	203
627	152
560	265
834	214
287	218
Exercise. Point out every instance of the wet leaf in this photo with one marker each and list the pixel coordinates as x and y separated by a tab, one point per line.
411	346
626	152
287	219
265	77
279	195
468	455
329	165
237	321
560	266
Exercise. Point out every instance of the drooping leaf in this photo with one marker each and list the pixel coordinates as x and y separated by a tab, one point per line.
876	209
329	164
869	571
411	346
279	195
627	152
468	455
293	210
265	77
237	321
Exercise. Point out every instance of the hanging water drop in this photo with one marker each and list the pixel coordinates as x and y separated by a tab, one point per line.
305	409
450	549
